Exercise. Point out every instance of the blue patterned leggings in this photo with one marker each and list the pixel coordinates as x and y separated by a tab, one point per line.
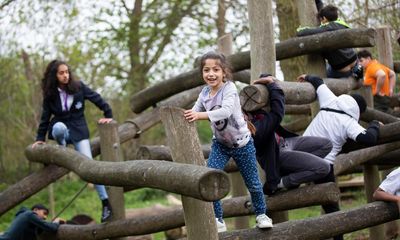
245	158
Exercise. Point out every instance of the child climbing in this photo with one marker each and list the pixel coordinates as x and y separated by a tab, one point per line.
341	62
219	102
63	115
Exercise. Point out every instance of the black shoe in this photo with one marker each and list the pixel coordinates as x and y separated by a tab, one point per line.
106	213
358	72
268	190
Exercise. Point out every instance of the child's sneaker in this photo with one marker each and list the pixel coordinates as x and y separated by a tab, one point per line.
263	221
221	226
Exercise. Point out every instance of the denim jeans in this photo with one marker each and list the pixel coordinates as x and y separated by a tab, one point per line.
245	158
61	134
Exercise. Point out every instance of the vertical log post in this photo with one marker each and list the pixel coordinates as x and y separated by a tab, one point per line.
385	56
237	185
315	63
185	148
262	40
111	151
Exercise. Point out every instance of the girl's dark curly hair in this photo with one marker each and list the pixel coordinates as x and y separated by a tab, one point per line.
50	81
222	62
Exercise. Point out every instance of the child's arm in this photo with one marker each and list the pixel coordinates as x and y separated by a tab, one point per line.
381	195
191	115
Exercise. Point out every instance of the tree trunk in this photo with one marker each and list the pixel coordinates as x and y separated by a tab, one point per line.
288	22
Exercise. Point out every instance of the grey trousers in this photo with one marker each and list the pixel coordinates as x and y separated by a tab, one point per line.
301	160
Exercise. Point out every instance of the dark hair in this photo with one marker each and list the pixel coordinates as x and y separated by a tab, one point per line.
50	81
40	207
222	62
330	12
362	104
364	54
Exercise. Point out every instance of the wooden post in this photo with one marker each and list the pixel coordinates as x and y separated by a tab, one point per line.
237	185
185	148
371	172
111	151
385	56
315	62
262	40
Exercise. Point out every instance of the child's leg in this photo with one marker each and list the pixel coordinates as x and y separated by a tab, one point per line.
60	133
83	147
218	159
245	159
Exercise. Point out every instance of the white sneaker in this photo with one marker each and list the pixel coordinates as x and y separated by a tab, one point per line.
221	226
263	221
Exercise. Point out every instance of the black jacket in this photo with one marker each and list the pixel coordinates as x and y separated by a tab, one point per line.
338	58
26	225
267	124
74	119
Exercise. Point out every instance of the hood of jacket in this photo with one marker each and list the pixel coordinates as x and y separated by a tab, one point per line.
348	104
21	210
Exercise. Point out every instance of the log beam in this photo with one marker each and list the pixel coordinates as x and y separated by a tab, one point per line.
256	96
155	222
324	226
241	61
346	162
186	179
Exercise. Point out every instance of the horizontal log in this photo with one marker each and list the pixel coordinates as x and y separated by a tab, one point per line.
35	182
254	97
345	162
388	159
241	61
162	152
190	180
324	226
297	109
29	186
373	114
156	222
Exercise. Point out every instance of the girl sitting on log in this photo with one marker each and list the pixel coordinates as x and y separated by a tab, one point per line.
219	102
63	115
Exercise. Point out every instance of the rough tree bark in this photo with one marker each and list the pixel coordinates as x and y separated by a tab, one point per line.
185	148
256	96
323	227
347	161
195	181
297	198
241	61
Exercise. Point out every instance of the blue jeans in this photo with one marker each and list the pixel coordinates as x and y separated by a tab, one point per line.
61	134
245	158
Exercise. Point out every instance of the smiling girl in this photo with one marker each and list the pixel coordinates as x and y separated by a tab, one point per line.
219	102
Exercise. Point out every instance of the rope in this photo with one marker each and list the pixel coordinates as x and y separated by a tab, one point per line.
70	202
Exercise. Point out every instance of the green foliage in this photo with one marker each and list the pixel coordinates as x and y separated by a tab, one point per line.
86	203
